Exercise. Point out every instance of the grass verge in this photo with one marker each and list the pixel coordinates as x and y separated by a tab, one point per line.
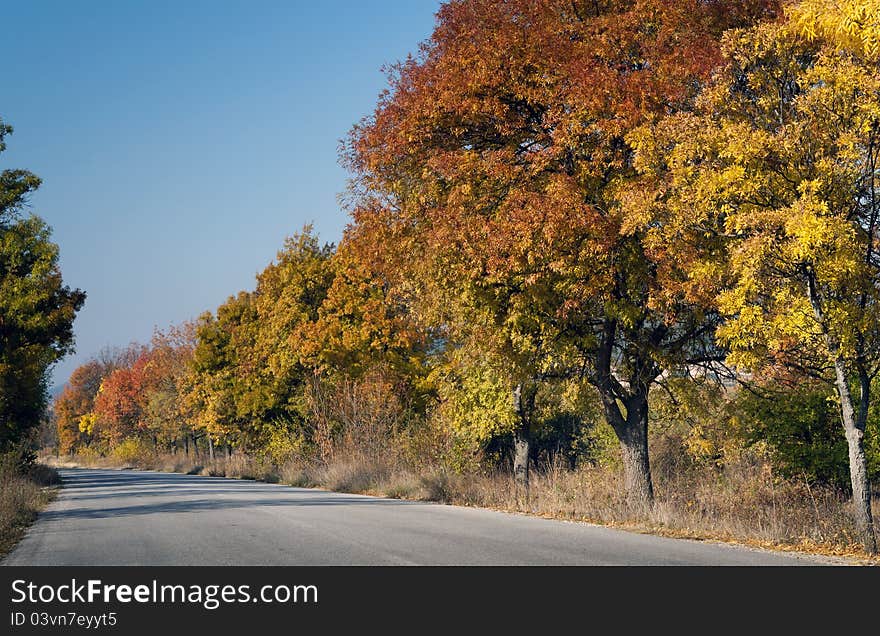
22	496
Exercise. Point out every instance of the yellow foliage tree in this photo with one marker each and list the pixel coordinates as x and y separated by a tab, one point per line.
849	25
780	164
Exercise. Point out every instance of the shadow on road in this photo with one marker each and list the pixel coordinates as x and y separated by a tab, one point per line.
173	493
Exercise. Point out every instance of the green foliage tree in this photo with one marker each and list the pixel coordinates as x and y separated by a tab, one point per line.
36	308
214	383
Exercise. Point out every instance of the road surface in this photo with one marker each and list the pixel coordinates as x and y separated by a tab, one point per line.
116	517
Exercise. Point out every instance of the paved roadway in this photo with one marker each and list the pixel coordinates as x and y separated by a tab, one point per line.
116	517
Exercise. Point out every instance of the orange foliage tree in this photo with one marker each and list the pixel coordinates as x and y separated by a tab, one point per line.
118	407
75	403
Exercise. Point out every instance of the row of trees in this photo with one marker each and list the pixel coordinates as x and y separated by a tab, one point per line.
556	207
620	187
249	376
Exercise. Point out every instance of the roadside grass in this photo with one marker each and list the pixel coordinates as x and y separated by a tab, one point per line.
22	496
742	503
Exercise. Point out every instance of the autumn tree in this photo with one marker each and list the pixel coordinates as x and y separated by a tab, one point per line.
287	299
213	384
368	357
362	321
780	163
248	364
119	408
166	413
74	406
491	178
36	308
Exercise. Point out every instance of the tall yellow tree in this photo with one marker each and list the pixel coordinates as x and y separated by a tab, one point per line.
780	164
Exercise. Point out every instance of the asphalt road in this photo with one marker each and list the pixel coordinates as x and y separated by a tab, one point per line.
115	517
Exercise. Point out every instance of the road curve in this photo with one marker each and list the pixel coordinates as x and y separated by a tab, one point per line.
115	517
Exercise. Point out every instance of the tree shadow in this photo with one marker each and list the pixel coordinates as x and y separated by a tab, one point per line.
181	494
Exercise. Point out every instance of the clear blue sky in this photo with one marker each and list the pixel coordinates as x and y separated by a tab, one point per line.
180	142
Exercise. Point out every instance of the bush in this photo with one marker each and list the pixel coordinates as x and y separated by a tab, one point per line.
801	427
283	442
365	415
43	475
132	450
18	459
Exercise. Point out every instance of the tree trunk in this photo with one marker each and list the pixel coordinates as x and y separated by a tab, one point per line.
522	442
632	433
631	430
634	446
211	448
853	425
522	446
854	428
228	451
195	445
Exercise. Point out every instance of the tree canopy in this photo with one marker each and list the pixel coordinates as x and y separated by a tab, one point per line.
493	174
779	163
36	308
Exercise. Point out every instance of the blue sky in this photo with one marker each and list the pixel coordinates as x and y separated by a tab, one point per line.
180	142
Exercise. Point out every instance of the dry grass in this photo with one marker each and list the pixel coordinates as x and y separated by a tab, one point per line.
735	505
743	503
22	496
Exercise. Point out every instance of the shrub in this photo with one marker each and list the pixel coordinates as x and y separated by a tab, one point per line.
801	427
131	450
